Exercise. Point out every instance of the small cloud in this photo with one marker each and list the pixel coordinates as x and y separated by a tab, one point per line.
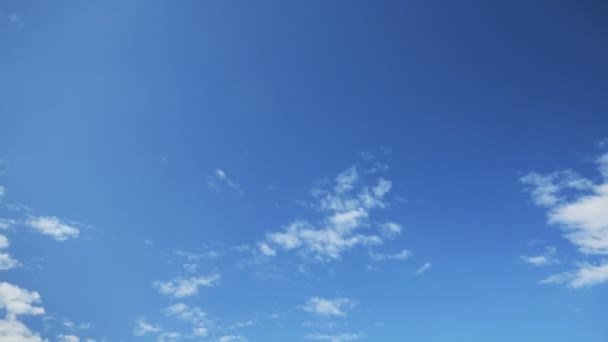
54	227
232	338
544	259
423	269
185	287
335	338
403	255
144	328
586	275
219	181
391	229
328	307
7	262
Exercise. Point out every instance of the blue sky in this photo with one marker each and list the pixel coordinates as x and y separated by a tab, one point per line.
229	171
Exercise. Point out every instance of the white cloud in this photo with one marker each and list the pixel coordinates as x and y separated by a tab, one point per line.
54	227
345	209
335	338
544	259
403	255
328	307
193	315
16	301
391	229
4	242
143	328
579	207
14	331
2	191
219	180
169	337
7	262
585	275
423	269
68	338
185	287
232	338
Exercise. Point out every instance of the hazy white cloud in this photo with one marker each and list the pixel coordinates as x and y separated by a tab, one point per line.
579	207
402	255
423	269
328	307
345	209
7	262
68	338
391	229
219	180
15	331
585	275
16	301
144	328
2	191
54	227
232	338
4	242
193	315
184	287
546	258
335	338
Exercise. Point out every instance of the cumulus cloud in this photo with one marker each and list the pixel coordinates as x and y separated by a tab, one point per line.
185	287
548	257
423	269
328	307
345	209
335	338
68	338
7	262
16	301
15	331
54	227
219	181
579	207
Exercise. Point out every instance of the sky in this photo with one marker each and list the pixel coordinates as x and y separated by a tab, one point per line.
231	171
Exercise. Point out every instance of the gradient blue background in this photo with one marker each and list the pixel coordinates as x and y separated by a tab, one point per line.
114	113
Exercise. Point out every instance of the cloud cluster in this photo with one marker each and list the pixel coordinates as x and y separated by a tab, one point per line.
15	302
579	207
345	208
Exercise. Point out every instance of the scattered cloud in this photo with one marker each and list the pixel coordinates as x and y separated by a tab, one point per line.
403	255
54	227
423	269
185	287
219	181
345	208
335	338
579	207
328	307
193	315
546	258
144	328
2	191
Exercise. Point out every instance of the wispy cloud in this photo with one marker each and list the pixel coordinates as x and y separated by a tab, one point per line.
423	269
345	208
400	256
548	257
219	181
328	307
579	207
142	327
185	287
335	337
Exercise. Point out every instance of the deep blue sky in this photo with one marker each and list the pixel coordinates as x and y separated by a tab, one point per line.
179	137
